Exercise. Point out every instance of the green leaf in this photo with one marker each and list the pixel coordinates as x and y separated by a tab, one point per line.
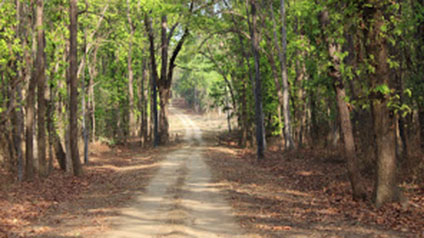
383	89
408	92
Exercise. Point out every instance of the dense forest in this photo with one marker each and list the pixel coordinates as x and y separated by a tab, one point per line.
298	73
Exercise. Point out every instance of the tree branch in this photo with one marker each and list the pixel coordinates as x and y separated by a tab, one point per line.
175	54
171	32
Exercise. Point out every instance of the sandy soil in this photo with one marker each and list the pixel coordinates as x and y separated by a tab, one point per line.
181	200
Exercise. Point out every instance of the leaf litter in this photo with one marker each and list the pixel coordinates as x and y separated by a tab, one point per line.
64	205
306	193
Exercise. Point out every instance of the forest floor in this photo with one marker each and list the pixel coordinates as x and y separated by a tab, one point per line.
298	194
66	206
306	194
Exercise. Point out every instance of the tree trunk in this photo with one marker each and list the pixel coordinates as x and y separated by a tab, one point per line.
421	125
54	138
286	93
18	130
154	74
83	104
40	66
334	49
227	105
50	128
164	95
164	91
29	126
18	112
143	104
401	119
260	130
383	118
73	83
354	174
59	152
244	115
418	5
301	107
313	125
91	102
131	109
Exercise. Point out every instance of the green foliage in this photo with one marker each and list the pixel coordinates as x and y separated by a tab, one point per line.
383	89
214	60
196	79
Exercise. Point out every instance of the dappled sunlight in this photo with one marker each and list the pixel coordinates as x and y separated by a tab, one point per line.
211	118
180	200
297	193
276	199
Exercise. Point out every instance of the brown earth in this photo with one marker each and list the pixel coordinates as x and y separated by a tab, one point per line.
298	194
66	206
306	193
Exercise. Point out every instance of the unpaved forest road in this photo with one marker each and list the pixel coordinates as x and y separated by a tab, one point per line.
180	200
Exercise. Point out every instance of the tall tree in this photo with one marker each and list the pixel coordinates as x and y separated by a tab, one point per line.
154	73
282	54
143	103
334	51
383	117
29	126
18	112
40	67
167	67
131	109
73	84
260	130
167	71
164	83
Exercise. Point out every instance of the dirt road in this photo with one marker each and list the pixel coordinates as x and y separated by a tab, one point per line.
180	200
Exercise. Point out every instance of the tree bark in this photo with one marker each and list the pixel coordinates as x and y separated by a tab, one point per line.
29	120
401	120
83	103
334	49
164	91
244	114
73	83
92	102
383	118
260	130
143	104
421	125
154	73
164	95
227	105
18	130
354	174
131	109
418	5
40	66
302	104
18	112
289	144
